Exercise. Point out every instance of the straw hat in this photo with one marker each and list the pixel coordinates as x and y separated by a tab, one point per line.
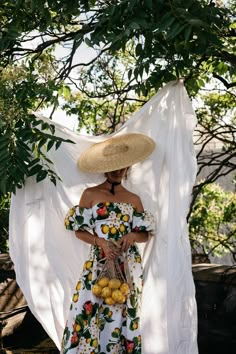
116	153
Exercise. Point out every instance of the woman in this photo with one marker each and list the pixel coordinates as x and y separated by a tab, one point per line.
109	211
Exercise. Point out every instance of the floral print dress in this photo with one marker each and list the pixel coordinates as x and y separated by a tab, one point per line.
94	327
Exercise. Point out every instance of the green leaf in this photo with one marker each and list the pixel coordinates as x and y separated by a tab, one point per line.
130	74
33	162
195	22
22	166
87	334
53	180
50	145
106	311
36	122
41	176
88	42
4	155
52	128
58	144
134	25
79	219
42	142
45	126
148	3
187	33
166	21
5	138
34	170
138	49
115	335
3	184
175	30
132	312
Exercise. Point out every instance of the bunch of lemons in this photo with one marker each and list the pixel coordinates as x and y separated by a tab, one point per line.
113	291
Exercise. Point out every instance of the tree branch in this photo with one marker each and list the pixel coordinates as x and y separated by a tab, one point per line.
225	82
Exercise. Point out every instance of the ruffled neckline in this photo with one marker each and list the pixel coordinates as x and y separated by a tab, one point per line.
117	203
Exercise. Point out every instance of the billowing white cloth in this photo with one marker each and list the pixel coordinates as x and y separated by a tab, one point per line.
48	259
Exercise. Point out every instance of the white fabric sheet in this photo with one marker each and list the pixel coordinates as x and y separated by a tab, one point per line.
48	259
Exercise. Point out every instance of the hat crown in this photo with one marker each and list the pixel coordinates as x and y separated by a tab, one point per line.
115	149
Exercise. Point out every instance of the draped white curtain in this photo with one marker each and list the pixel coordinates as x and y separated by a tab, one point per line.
48	259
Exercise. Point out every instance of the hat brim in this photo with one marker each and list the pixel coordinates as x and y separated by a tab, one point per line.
116	153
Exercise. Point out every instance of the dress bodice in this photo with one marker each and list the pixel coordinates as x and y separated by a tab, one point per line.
109	219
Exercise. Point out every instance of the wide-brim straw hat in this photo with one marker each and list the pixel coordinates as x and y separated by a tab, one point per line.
116	153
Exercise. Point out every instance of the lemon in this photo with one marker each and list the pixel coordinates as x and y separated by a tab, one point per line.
71	211
135	325
124	288
96	290
113	230
95	343
114	283
77	328
75	297
117	295
109	301
107	203
90	276
122	228
88	265
67	222
125	217
122	299
106	292
105	229
103	282
78	286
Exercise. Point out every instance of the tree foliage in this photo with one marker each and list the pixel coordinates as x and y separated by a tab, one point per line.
24	140
4	221
137	46
215	137
212	225
189	38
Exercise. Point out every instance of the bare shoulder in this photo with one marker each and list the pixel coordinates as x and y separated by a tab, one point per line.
136	201
86	198
89	195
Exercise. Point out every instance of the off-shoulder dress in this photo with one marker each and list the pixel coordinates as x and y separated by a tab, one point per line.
92	326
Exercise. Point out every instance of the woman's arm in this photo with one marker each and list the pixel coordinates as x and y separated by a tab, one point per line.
129	239
87	237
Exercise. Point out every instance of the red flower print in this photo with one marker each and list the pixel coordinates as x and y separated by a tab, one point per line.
136	228
102	211
88	306
74	338
129	346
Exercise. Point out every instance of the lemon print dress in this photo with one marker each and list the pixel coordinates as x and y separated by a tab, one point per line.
94	327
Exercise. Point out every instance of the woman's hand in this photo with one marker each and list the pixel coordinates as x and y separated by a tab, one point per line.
110	251
127	241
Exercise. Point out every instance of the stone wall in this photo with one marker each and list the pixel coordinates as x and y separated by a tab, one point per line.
216	300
